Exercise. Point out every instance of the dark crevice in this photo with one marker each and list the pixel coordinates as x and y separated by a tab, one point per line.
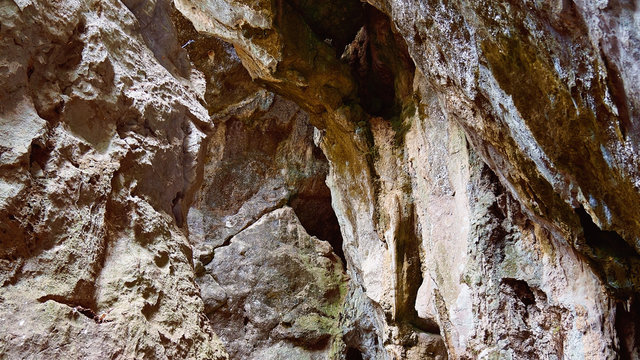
618	263
611	256
381	65
628	328
409	275
38	157
148	309
176	209
77	309
353	354
521	290
312	206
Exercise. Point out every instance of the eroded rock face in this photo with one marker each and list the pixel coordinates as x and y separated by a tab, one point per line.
490	204
270	290
160	180
101	131
283	292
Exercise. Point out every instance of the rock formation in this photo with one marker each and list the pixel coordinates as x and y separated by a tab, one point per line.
299	179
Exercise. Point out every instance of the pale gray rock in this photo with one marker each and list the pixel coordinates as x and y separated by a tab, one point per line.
284	291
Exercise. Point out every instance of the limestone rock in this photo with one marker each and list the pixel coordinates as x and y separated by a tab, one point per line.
478	185
284	291
101	144
542	235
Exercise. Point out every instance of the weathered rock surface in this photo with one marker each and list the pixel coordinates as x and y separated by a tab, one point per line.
270	290
160	180
261	157
530	255
101	138
282	290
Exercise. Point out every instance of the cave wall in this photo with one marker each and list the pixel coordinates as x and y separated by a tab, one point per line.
504	159
102	131
319	179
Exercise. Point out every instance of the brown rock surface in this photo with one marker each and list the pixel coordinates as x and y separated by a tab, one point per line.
101	135
160	179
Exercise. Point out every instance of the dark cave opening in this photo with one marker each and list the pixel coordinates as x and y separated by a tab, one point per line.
381	65
616	260
605	242
353	354
312	205
335	21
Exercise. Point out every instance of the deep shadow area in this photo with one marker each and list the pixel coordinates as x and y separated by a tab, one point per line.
627	323
381	65
609	242
612	256
521	289
312	205
619	263
353	354
334	21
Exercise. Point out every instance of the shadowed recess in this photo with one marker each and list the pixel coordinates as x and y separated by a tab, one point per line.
312	205
353	354
627	323
334	21
612	255
381	66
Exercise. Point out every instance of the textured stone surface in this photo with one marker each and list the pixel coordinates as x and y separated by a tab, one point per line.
101	137
283	290
538	90
544	236
480	161
269	289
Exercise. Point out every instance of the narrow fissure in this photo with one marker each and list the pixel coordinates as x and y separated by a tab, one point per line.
409	275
